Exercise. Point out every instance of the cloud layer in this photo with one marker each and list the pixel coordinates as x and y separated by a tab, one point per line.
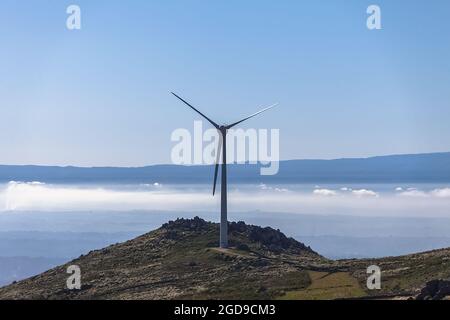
36	196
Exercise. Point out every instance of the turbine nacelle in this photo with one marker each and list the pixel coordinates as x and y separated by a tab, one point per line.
223	129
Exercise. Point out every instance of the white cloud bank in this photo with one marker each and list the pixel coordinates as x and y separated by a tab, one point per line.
35	196
436	193
441	193
325	192
357	193
365	193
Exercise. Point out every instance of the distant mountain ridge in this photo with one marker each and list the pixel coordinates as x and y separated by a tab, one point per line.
430	167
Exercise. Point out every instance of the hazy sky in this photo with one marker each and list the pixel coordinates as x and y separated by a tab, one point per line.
100	95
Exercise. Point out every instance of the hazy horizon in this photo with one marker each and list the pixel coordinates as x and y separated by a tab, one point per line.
164	164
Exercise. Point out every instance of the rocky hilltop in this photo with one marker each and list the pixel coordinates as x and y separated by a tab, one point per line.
181	260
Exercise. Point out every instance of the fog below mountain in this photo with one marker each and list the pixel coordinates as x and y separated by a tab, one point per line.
407	200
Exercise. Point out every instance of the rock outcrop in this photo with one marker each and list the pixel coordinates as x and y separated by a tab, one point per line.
435	290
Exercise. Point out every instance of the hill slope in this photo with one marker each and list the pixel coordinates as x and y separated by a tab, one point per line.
181	260
405	275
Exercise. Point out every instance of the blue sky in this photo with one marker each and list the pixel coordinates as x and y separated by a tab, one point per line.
100	95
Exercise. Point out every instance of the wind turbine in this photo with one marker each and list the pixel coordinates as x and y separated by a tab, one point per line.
222	147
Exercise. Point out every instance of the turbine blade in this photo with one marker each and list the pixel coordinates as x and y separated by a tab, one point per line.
210	121
216	169
253	115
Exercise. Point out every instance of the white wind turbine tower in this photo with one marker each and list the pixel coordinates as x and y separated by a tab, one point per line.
222	148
